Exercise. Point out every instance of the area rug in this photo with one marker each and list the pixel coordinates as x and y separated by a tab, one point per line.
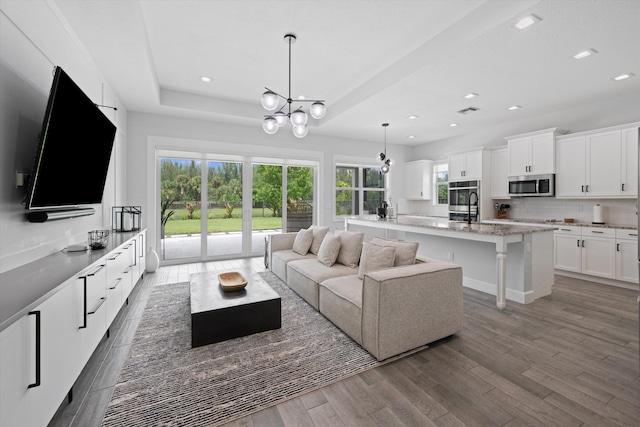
166	382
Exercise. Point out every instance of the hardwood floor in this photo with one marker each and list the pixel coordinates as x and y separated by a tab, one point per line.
569	359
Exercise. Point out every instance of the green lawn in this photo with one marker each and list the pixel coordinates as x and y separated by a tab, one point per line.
215	223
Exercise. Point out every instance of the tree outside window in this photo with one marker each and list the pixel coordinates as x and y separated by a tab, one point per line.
358	189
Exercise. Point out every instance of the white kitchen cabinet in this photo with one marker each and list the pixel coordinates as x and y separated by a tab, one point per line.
597	164
568	249
499	174
466	166
627	255
418	180
598	252
532	154
629	163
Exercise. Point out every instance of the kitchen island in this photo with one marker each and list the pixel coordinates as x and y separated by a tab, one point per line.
513	262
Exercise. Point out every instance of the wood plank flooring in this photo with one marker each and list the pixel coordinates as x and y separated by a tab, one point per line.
569	359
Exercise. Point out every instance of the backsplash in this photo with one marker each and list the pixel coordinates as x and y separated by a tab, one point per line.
616	211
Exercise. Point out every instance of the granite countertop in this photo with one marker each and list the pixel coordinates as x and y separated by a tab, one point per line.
553	222
457	226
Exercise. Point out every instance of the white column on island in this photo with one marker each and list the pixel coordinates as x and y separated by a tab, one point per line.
501	273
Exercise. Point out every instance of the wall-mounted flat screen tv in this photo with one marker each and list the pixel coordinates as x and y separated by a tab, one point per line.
74	150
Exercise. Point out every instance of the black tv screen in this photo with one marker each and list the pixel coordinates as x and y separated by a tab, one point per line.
74	150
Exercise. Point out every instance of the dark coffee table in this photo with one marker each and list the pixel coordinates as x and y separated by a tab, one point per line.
217	315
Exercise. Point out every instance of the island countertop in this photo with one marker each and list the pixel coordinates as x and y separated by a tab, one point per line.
444	224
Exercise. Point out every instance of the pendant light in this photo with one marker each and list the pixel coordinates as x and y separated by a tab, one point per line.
382	156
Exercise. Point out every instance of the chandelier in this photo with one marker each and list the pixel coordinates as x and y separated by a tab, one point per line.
298	118
382	156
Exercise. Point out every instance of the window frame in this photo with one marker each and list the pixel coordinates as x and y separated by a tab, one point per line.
359	189
437	168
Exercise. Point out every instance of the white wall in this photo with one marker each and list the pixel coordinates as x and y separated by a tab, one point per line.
147	133
34	38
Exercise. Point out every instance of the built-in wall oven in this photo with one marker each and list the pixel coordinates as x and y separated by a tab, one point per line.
459	193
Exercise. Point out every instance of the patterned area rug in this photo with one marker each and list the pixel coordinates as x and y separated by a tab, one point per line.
166	382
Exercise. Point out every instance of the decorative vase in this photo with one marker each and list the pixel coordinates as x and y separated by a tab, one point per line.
153	260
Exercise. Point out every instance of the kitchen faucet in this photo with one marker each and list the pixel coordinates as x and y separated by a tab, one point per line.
469	206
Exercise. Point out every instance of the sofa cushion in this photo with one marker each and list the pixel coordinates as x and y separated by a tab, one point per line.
350	247
318	237
303	241
329	250
340	301
375	258
280	259
405	251
303	277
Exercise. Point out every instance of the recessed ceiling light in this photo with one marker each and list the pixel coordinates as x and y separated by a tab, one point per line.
205	79
623	76
585	53
526	22
413	116
411	136
471	95
514	107
453	125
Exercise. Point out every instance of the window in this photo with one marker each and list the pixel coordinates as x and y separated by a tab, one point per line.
441	172
359	190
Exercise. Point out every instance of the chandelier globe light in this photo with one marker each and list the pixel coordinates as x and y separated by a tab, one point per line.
382	156
298	117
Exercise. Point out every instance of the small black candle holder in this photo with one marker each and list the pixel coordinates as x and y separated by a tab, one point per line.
127	218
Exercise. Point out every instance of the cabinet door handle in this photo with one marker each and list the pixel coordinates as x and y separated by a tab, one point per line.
622	187
597	232
583	243
142	246
618	247
565	229
587	188
582	189
102	300
93	273
633	234
116	255
135	252
38	360
578	241
84	303
116	283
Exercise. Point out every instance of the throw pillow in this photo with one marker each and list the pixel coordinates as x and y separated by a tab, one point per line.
375	258
303	240
350	247
329	249
318	236
405	251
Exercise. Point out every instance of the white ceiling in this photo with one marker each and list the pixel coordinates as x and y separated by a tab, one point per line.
372	61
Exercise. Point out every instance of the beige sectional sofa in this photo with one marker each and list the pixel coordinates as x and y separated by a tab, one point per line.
387	308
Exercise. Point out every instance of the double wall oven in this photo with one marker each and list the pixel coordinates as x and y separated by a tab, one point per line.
459	193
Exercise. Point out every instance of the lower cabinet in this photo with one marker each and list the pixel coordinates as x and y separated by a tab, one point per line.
602	252
43	352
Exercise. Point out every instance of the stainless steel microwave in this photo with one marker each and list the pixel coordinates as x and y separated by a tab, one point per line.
532	185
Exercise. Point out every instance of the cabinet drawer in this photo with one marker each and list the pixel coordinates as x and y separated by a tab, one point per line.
626	234
565	229
598	232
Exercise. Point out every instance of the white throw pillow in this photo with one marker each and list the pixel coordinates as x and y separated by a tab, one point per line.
405	251
318	236
375	258
329	249
350	247
303	241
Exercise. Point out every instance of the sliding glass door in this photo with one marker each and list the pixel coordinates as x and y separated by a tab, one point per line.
244	202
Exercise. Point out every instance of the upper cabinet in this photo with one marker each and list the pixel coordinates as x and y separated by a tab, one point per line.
466	166
418	180
499	176
532	153
598	164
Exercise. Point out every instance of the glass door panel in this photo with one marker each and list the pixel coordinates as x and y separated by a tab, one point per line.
224	208
179	209
266	213
299	197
